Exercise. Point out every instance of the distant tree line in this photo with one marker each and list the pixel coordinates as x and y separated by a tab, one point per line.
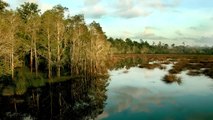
123	46
49	44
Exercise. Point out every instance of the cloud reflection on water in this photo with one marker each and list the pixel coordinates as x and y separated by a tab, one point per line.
142	91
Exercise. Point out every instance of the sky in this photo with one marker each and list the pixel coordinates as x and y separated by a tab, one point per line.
188	22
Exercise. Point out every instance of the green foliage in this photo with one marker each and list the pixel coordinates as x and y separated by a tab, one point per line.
28	10
25	78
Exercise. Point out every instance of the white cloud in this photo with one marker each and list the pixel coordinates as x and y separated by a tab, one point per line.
125	4
91	2
123	8
94	11
127	96
149	34
137	8
148	31
128	9
162	4
131	13
45	7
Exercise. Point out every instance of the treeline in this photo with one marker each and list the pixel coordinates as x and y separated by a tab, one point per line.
123	46
49	44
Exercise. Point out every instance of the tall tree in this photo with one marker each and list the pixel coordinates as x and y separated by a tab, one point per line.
60	28
33	32
80	40
9	42
100	47
48	31
29	13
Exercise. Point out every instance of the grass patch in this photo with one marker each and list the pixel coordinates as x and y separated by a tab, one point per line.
170	78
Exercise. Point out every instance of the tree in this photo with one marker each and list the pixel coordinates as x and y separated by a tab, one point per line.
29	13
173	45
47	26
28	10
9	42
60	29
80	42
62	43
100	47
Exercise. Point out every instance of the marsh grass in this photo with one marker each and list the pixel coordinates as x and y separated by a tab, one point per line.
195	64
179	66
170	78
194	72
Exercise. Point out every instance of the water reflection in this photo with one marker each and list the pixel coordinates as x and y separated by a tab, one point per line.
79	98
118	63
146	91
146	88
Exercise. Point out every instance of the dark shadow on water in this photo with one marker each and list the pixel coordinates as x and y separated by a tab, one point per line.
76	99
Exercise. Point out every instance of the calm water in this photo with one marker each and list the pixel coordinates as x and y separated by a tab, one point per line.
141	94
130	92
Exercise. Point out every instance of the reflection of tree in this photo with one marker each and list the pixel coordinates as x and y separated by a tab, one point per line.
80	98
126	62
142	61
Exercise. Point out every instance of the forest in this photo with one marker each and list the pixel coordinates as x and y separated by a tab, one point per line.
50	44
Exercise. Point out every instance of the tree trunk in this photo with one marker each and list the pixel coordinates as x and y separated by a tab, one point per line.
71	50
31	58
58	51
12	58
49	56
12	46
35	53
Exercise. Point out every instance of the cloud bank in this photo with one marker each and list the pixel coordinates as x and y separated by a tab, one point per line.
125	8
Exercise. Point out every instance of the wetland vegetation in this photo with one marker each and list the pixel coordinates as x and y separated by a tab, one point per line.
55	67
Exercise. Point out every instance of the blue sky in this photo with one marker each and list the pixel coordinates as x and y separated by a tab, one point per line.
168	21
